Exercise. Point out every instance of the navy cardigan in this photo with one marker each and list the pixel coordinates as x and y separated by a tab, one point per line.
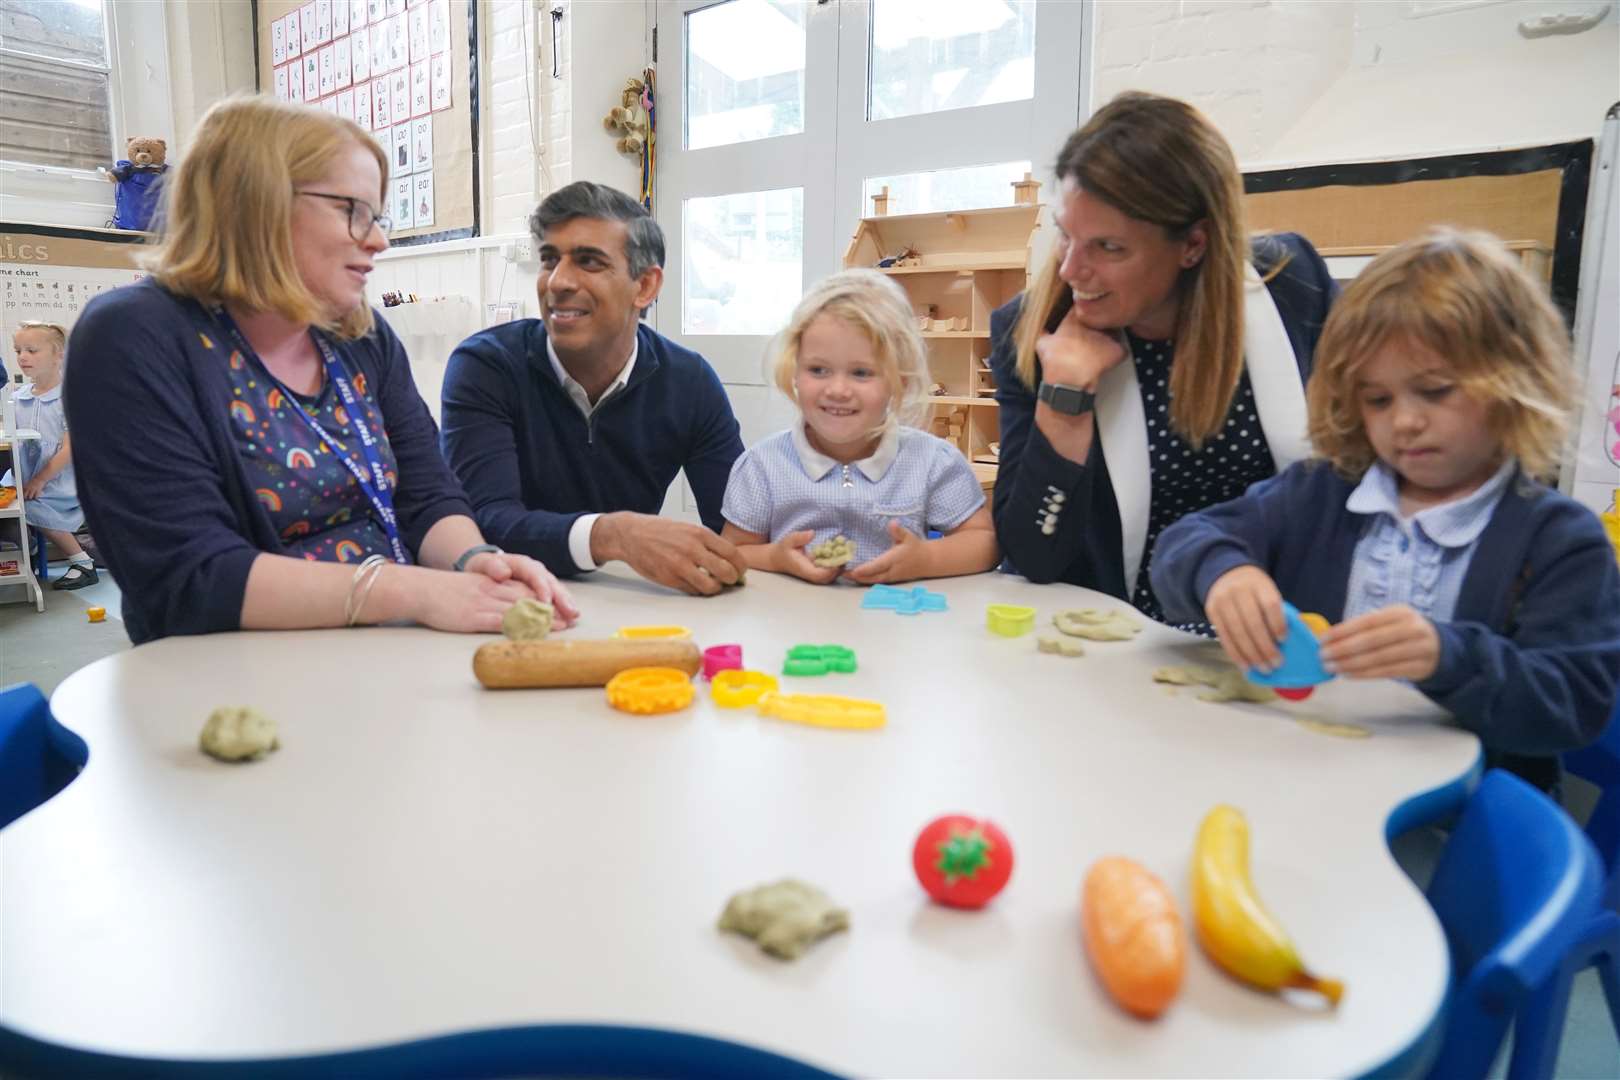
160	473
1531	658
1085	548
532	464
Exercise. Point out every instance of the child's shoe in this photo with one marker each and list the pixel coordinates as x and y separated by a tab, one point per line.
78	576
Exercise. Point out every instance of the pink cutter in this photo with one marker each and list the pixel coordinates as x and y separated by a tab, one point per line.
721	658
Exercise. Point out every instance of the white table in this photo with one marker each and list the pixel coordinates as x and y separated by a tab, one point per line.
423	856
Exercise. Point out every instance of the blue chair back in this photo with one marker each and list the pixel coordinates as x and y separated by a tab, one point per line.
1515	888
1599	764
38	757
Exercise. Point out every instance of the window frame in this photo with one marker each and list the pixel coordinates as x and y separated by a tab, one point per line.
57	195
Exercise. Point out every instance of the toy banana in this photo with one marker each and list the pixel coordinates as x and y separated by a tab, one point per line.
1233	926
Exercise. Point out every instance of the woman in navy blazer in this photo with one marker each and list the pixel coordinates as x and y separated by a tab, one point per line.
1156	367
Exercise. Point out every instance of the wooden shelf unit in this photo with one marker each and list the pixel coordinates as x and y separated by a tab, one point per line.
965	264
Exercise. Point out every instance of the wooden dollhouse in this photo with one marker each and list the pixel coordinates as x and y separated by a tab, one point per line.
957	266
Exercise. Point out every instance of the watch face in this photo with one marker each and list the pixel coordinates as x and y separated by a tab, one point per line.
1070	400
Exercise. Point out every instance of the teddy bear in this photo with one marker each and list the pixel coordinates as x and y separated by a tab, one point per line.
137	178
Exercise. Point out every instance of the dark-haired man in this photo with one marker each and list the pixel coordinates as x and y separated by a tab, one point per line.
567	430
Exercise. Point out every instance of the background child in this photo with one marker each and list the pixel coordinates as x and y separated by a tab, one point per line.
853	362
45	466
1442	388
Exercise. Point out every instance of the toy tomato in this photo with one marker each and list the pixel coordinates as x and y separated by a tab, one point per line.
962	861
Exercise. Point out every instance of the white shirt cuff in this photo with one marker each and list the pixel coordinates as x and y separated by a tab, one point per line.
579	541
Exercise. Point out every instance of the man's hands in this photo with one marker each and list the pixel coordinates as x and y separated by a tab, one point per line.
673	553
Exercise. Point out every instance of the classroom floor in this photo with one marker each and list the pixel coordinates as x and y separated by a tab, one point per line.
45	648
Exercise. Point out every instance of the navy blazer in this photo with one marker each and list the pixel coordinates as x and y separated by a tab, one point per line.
532	464
1531	657
1085	547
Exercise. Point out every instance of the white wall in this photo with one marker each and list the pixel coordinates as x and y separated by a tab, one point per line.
1253	66
1306	81
532	141
1461	78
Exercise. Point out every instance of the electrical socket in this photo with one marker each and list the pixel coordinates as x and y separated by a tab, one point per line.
523	251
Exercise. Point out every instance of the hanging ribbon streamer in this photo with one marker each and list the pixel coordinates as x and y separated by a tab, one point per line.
649	149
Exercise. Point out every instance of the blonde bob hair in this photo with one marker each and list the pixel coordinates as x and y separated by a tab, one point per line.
1463	297
872	304
225	218
1161	161
57	335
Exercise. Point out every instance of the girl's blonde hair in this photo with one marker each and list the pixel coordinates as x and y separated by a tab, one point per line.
57	335
225	216
871	303
1160	160
1463	297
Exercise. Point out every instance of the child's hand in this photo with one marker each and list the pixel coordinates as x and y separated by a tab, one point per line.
1246	610
1390	643
33	488
789	557
907	560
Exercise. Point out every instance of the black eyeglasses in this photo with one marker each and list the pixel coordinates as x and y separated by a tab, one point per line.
361	216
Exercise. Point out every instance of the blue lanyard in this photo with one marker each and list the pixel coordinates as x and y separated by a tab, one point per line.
375	486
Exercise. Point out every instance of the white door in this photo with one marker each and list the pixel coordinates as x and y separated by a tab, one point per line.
776	116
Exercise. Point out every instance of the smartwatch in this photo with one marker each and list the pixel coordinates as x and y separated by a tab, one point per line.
476	549
1068	400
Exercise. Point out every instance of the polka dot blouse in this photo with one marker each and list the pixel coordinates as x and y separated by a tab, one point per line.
1186	480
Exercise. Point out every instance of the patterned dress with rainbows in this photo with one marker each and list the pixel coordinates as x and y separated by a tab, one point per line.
313	501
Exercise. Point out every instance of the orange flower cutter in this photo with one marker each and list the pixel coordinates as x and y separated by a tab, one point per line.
647	690
736	688
824	710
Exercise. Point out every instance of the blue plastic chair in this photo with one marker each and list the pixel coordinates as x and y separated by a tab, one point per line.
1599	946
1515	889
535	1050
38	756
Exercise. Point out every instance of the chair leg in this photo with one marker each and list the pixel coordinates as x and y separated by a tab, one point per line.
1538	1029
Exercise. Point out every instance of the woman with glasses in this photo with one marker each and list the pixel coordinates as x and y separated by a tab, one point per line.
251	448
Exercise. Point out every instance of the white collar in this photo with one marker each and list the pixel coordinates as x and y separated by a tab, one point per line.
572	385
1453	524
874	468
27	393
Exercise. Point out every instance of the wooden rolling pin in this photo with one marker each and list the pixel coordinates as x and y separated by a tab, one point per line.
510	665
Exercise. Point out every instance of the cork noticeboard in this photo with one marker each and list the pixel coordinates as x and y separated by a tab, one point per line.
406	71
1532	198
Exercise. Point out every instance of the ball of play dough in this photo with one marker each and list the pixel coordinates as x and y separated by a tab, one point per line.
834	552
238	733
527	620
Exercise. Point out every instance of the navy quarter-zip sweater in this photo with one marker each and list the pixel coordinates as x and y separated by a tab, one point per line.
532	464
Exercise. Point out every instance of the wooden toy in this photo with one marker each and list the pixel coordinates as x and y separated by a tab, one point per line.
511	665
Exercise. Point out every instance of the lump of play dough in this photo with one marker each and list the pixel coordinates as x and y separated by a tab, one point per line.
1191	675
835	552
784	918
238	734
1226	684
1097	624
527	620
1061	646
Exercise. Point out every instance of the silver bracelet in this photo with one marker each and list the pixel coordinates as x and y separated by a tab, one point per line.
368	570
